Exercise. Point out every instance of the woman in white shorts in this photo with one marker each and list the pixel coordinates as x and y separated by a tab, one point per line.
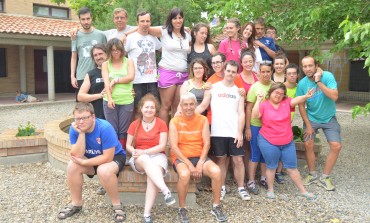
146	141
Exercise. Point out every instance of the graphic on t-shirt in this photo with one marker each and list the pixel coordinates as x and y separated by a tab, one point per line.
146	60
226	95
86	48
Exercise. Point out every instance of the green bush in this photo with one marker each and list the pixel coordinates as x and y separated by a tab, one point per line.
297	134
28	130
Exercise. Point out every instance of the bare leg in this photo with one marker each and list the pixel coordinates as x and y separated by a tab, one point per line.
214	172
296	178
252	167
167	96
75	181
310	155
270	176
332	157
239	171
222	162
107	176
150	196
175	100
183	183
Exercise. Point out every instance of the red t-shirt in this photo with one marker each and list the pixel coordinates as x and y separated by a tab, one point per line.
146	140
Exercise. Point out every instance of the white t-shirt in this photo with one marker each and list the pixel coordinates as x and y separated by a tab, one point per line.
141	49
174	52
114	33
257	51
224	105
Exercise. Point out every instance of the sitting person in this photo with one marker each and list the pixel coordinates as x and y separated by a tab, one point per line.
146	141
24	97
190	142
275	139
95	150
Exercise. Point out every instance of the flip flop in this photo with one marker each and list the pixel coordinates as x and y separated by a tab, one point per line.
309	196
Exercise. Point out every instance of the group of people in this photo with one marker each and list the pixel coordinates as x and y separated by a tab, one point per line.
235	102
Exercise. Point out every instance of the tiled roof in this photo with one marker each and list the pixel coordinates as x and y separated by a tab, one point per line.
36	25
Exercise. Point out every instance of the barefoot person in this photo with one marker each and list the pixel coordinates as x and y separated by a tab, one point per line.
95	151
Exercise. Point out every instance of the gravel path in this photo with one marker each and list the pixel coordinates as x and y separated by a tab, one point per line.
36	192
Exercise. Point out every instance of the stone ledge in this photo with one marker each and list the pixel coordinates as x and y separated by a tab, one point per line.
301	150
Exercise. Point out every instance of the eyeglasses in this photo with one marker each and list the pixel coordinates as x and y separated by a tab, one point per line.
217	62
119	18
271	32
82	118
279	94
198	68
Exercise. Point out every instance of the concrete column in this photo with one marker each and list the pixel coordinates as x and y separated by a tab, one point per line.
22	69
50	63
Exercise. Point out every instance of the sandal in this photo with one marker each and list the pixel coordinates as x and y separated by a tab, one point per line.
119	213
309	196
270	195
68	211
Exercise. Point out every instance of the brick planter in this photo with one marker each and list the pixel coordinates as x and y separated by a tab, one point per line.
301	149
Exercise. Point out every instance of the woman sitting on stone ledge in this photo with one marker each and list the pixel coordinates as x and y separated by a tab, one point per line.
146	141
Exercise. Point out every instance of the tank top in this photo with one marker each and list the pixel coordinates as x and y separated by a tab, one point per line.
205	55
198	92
96	86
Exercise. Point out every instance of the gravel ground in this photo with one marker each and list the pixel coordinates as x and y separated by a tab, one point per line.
36	192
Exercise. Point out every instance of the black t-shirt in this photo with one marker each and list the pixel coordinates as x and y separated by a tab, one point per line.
96	86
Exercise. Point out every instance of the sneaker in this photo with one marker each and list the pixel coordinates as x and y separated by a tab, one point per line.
279	178
327	184
253	188
183	215
263	183
244	195
310	179
270	195
219	213
169	199
223	193
101	191
148	219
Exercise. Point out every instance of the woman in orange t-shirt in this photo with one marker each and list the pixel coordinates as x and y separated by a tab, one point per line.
146	141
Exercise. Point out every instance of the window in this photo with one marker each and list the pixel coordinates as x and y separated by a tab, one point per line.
2	62
50	11
1	5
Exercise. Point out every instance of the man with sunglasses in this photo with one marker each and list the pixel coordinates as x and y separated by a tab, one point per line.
95	150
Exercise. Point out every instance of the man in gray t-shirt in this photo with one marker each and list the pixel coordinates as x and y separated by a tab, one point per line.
81	47
120	21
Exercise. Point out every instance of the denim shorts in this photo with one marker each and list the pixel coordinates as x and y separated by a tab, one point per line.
168	78
330	129
273	153
255	155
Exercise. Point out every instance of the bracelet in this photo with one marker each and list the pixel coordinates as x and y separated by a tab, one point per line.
317	82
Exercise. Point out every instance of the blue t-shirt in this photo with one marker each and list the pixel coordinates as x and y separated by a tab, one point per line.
101	138
320	108
269	42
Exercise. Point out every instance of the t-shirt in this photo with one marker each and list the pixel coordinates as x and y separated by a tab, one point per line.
114	33
224	104
276	127
269	42
320	108
96	87
291	92
122	93
141	49
232	49
190	138
83	45
174	52
252	97
144	139
215	79
103	137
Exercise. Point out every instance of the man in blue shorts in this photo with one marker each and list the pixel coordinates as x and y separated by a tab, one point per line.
95	150
319	114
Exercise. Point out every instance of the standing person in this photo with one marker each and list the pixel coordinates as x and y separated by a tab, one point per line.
266	44
319	114
279	64
141	48
249	33
146	141
291	77
253	126
228	121
95	150
272	33
120	19
173	64
232	45
81	48
190	142
92	88
118	73
275	138
201	46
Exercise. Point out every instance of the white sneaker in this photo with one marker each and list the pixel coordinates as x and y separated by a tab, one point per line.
223	193
244	195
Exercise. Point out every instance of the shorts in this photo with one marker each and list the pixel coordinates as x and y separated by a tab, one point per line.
256	155
142	89
193	160
273	153
222	146
330	129
119	159
159	159
168	78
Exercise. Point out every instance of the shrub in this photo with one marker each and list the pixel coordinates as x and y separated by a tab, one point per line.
28	130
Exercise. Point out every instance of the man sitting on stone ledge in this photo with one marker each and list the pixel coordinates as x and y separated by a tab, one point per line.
190	142
95	151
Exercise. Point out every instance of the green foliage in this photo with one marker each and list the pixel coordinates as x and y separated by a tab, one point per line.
297	134
358	110
28	130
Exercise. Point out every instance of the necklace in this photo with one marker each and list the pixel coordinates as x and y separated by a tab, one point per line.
148	123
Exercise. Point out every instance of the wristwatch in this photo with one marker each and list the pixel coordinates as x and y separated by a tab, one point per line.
317	81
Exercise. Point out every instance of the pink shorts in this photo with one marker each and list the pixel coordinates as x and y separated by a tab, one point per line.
168	78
